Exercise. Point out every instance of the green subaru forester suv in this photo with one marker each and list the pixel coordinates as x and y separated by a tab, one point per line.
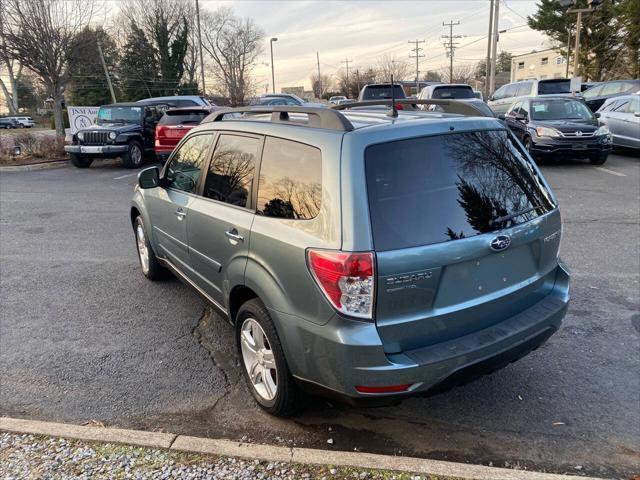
358	252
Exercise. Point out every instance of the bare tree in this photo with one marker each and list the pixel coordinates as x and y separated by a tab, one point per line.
321	85
9	66
234	45
461	73
41	34
388	65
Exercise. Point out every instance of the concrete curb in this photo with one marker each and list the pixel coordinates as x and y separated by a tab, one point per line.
271	453
35	166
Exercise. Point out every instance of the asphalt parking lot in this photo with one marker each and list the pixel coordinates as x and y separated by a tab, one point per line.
84	336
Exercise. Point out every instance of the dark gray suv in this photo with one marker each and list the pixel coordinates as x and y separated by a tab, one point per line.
358	254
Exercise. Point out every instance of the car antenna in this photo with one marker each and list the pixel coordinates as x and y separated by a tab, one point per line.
394	111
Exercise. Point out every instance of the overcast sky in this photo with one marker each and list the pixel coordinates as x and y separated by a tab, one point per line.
363	31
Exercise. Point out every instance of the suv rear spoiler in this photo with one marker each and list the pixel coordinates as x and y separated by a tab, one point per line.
449	106
318	117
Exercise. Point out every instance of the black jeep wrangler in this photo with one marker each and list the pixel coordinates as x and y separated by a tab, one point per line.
125	130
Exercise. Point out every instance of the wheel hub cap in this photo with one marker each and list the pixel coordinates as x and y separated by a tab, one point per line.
143	251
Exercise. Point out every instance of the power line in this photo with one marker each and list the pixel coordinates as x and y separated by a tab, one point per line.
450	46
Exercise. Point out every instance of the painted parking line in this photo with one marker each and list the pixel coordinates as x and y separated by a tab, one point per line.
611	172
125	176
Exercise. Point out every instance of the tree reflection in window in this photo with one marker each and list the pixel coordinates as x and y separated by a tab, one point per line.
231	170
290	180
183	173
495	180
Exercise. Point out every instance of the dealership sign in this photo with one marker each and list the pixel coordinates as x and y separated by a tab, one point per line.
82	117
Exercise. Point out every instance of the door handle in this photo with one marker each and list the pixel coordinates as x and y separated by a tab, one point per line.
234	235
180	213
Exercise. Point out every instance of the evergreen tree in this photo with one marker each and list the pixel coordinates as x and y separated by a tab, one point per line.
88	84
138	70
171	51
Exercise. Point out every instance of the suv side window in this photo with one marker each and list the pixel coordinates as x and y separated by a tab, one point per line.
230	175
634	105
524	89
185	168
514	109
524	109
500	93
290	184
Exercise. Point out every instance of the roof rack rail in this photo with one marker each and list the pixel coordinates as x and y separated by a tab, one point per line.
318	117
449	106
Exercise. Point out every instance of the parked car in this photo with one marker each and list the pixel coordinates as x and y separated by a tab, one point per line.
285	99
336	98
124	130
559	127
366	257
177	101
596	96
479	95
7	123
506	95
24	122
345	101
173	125
450	91
622	116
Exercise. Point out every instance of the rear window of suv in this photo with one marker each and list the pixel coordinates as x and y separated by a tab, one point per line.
440	188
182	117
381	92
453	92
549	87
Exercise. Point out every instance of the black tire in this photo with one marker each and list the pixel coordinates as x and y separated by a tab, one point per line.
80	161
288	398
598	159
134	158
154	271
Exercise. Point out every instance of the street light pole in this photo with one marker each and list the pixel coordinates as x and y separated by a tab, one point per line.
200	49
273	75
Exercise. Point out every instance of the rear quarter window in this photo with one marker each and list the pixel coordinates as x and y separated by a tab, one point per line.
453	92
554	86
447	187
182	118
382	92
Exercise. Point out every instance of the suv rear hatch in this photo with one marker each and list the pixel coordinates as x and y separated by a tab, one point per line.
554	86
174	125
436	204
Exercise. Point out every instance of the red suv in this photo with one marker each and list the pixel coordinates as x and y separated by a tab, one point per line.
174	124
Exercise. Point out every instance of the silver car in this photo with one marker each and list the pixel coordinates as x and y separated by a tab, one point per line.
622	116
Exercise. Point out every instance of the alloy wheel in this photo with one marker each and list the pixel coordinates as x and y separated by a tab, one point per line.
143	251
258	359
136	155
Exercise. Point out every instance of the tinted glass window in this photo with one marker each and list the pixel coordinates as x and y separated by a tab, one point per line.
379	92
184	171
511	90
182	117
515	108
447	187
611	88
621	106
500	93
290	183
560	110
593	92
524	109
549	87
453	92
119	115
230	175
634	105
524	89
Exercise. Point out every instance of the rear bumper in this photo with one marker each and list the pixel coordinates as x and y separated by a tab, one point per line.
334	358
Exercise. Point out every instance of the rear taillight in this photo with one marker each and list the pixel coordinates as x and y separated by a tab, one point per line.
346	279
399	106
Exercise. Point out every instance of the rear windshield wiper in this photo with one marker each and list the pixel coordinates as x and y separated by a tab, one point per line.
505	218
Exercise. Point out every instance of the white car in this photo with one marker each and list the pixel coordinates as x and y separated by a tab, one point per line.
452	91
25	122
335	100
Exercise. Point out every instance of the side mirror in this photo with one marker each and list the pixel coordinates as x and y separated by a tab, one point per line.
636	114
597	114
491	98
149	177
501	116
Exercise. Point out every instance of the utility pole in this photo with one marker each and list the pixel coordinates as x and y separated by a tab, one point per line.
417	56
487	92
576	49
106	72
200	48
273	74
494	45
347	62
319	77
450	46
568	51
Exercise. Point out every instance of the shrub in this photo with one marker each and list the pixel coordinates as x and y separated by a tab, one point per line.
34	146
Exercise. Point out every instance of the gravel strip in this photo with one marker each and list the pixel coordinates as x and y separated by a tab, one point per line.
32	456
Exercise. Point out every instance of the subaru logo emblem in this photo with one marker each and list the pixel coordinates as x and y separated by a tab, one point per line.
501	242
578	133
